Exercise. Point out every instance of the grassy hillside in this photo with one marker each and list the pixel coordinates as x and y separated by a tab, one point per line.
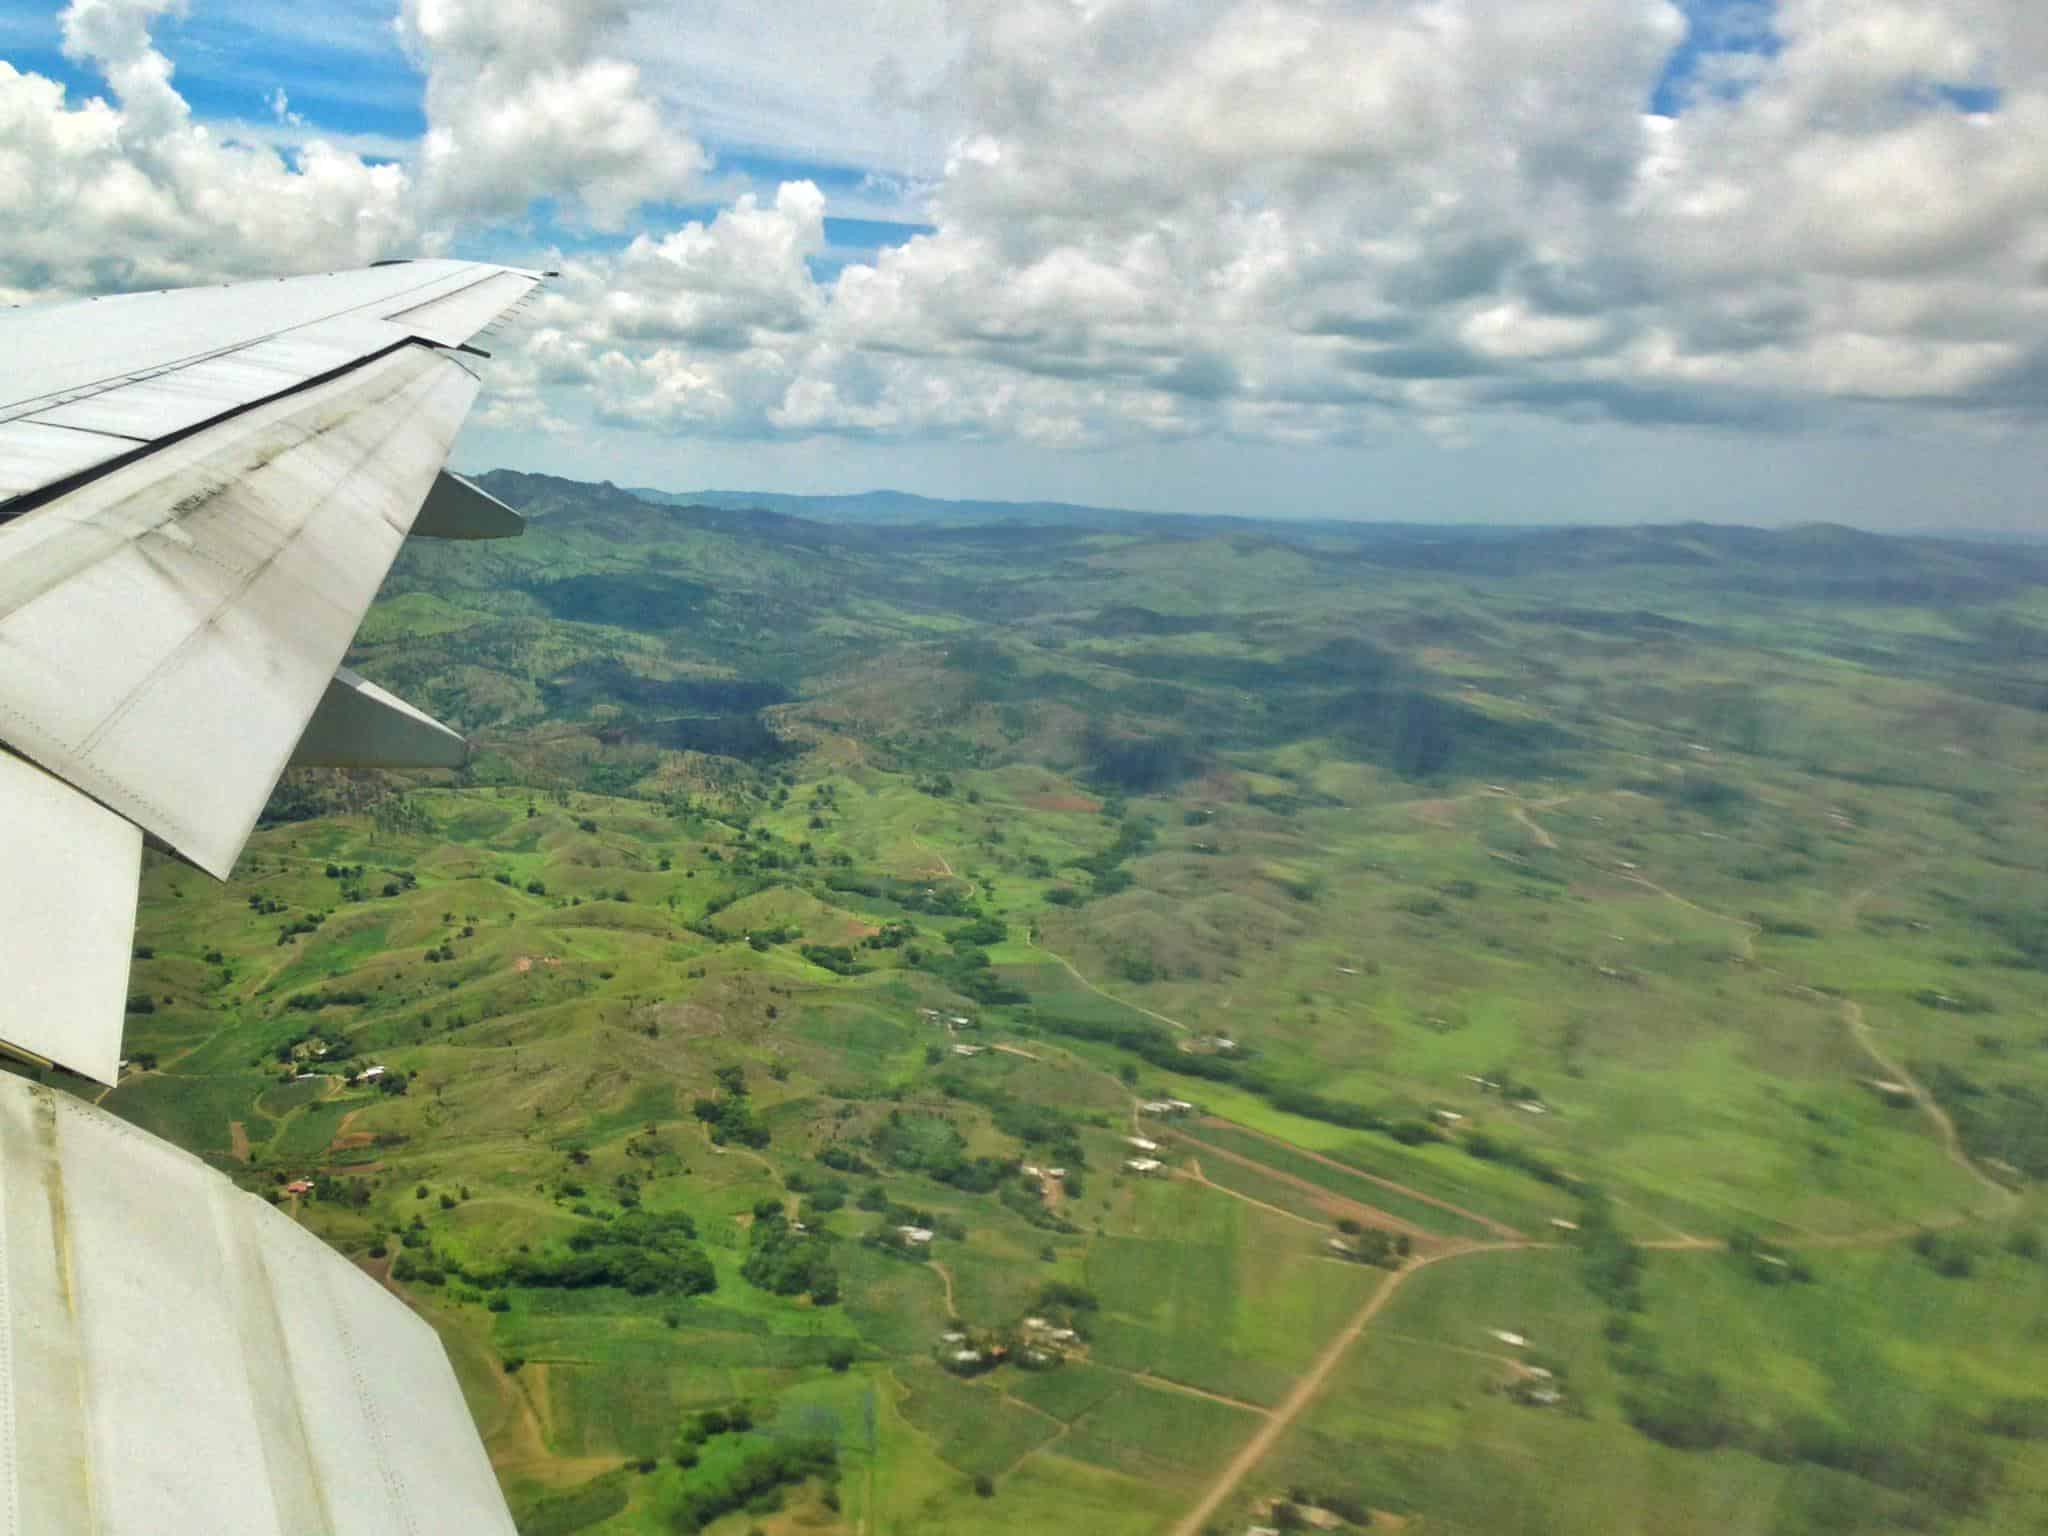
1521	919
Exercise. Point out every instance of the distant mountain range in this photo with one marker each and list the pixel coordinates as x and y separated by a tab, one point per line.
905	509
900	508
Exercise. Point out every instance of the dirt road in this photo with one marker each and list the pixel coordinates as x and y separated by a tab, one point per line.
1499	1229
1268	1434
1328	1200
1122	1001
1859	1030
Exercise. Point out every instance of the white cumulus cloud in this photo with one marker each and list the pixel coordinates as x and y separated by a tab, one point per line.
531	99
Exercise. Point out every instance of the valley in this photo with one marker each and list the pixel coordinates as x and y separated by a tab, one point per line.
1535	1031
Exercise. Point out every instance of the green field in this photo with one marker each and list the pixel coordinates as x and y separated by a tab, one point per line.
1660	882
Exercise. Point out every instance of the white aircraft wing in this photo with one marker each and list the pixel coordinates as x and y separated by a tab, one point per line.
179	1358
200	492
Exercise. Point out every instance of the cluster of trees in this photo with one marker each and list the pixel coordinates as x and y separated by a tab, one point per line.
938	1151
1287	1513
310	923
844	1159
1374	1245
1134	836
964	964
756	1484
1610	1266
838	958
1023	1199
641	1252
1946	1469
821	1196
334	997
787	1262
1495	1149
1950	1256
731	1114
1054	1132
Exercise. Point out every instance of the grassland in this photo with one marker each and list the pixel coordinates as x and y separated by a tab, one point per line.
1458	903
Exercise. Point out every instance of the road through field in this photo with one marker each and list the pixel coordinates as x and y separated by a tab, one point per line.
1372	1215
1268	1434
1282	1418
1194	1173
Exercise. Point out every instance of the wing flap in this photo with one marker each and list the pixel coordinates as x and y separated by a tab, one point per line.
179	399
68	870
34	455
457	509
452	319
359	725
140	368
57	350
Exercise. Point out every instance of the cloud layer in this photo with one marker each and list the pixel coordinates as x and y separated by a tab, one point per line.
1284	221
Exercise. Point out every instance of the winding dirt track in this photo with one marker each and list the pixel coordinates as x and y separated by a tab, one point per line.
1122	1002
1859	1030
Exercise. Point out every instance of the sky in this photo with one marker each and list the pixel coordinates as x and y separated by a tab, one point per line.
1764	261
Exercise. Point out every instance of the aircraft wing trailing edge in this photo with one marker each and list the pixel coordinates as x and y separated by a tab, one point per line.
180	1358
201	491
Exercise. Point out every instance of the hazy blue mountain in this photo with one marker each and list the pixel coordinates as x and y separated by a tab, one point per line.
900	508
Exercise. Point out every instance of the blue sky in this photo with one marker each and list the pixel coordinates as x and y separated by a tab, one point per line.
1762	260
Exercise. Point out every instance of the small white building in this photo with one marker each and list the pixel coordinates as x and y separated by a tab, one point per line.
1156	1107
1448	1116
1531	1107
1562	1225
1143	1164
1055	1173
1035	1324
1179	1106
961	1021
370	1074
968	1050
1512	1340
1142	1144
915	1234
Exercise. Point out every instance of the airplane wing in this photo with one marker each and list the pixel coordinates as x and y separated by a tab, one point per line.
201	491
180	1358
